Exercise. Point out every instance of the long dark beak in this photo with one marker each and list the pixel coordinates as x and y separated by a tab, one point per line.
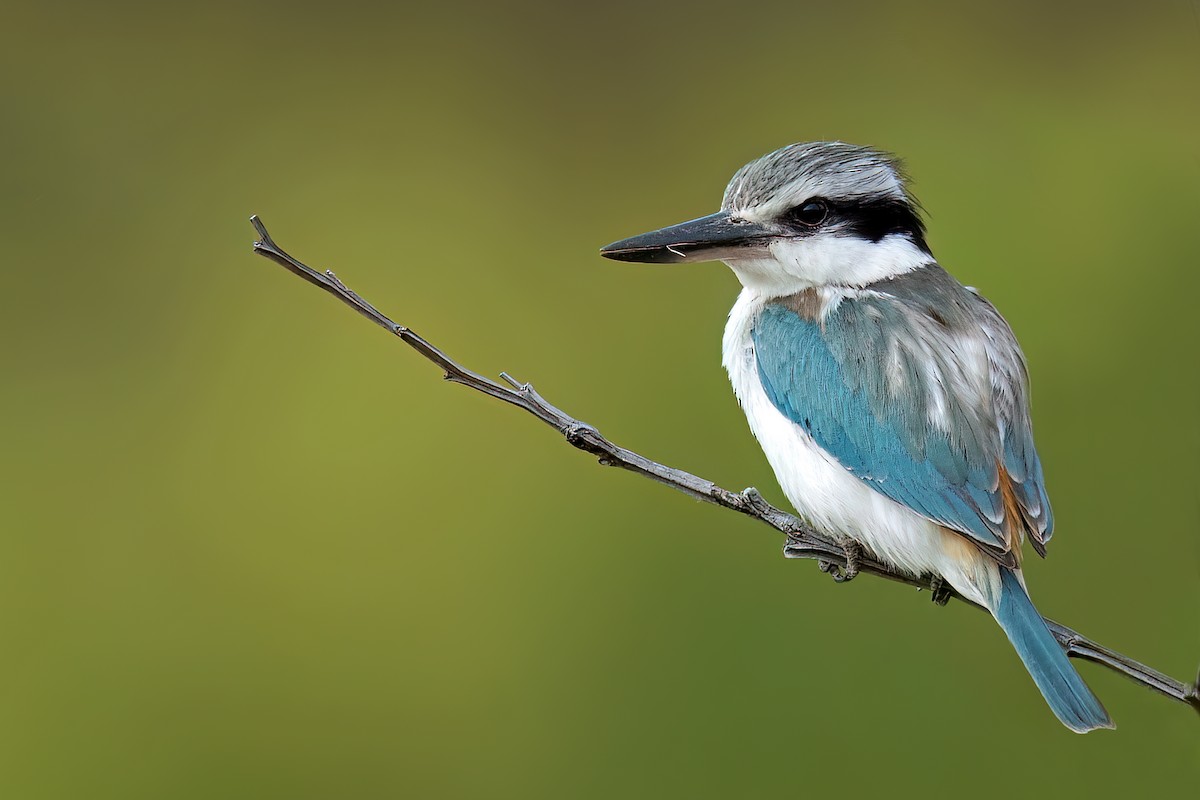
712	238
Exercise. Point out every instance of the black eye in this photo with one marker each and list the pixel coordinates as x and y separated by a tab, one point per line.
812	213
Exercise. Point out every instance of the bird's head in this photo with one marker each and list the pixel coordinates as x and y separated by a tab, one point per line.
807	215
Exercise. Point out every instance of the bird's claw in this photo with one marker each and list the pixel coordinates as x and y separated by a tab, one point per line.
840	574
940	591
830	568
753	499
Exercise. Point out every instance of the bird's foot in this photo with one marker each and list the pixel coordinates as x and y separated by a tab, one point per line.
840	574
940	590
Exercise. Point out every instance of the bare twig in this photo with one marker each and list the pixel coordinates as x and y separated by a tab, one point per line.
802	540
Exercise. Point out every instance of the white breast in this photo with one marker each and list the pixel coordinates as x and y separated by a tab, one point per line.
825	493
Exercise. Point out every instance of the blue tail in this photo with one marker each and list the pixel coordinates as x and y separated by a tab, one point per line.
1069	697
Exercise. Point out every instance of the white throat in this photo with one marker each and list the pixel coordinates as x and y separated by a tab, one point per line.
793	265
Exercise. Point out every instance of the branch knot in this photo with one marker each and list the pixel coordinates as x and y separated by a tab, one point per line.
580	434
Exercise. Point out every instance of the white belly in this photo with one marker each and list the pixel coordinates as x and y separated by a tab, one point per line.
828	496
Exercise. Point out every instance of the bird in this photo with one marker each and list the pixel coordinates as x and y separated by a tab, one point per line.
891	401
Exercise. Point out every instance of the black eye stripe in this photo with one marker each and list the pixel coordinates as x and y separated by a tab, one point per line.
870	219
875	219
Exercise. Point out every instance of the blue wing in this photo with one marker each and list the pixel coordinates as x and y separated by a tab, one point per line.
916	386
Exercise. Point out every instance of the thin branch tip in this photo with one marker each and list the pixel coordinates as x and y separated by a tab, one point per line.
802	541
261	230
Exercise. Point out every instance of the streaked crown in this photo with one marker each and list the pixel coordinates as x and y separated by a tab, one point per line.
769	186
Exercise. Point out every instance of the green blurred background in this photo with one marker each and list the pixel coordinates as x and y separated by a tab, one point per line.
252	547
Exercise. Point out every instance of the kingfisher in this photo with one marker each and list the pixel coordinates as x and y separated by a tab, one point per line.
891	401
